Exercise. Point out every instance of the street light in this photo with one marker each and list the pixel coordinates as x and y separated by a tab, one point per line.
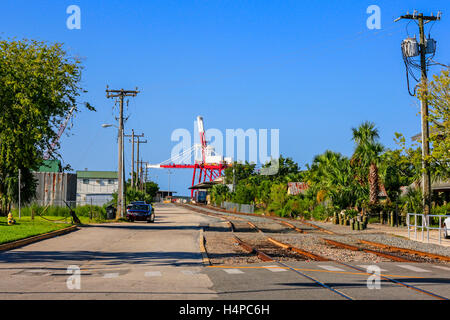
120	171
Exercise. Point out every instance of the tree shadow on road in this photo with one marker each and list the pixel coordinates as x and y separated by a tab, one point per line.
106	258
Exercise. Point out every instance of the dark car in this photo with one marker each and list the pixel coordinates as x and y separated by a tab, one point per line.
140	211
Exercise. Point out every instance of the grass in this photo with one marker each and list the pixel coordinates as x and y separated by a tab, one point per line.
25	227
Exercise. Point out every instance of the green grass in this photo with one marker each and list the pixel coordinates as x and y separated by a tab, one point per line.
25	227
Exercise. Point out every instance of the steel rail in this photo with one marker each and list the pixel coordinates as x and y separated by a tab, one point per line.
423	291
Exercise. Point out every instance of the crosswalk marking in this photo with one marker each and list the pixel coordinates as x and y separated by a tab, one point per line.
442	268
275	268
232	271
331	268
110	275
189	272
412	268
153	274
366	266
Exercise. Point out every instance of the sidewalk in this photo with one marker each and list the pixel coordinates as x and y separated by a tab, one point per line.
403	232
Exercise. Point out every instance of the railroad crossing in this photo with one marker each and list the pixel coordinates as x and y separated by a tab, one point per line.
197	252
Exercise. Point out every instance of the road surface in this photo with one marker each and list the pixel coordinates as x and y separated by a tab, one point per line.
163	261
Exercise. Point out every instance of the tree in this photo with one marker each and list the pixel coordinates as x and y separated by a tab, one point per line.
151	188
437	94
39	84
241	171
219	193
332	176
398	170
366	155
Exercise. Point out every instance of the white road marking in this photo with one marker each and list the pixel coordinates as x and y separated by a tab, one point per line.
331	268
153	274
189	272
442	268
275	268
110	275
366	266
412	268
232	271
37	271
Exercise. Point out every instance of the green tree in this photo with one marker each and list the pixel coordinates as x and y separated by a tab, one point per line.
366	157
39	84
278	196
242	171
438	97
219	193
332	175
151	188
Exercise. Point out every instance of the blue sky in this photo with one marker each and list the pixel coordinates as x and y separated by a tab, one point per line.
309	68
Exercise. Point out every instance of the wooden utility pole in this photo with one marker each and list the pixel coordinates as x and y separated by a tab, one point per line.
120	174
426	178
138	174
143	176
132	135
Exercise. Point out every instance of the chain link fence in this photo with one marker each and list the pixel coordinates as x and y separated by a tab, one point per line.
238	207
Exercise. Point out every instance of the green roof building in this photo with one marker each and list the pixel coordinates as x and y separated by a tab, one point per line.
50	166
96	187
97	174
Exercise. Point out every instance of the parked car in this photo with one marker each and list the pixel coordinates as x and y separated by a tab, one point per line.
446	226
140	211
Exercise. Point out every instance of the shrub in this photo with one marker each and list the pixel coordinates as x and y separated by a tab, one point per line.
319	213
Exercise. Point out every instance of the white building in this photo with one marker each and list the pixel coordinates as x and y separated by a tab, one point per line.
96	187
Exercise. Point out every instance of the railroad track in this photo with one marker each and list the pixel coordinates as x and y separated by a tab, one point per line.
265	257
268	258
390	252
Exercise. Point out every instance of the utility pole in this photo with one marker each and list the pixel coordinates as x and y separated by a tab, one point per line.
133	136
168	174
426	179
138	174
120	174
146	177
143	176
20	189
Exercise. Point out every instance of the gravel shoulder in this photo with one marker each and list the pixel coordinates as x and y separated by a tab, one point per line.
375	234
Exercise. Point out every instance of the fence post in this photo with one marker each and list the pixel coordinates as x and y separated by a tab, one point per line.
407	224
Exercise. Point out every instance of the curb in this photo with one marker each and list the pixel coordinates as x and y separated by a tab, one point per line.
205	257
26	241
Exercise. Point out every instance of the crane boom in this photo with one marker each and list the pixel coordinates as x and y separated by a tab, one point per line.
60	132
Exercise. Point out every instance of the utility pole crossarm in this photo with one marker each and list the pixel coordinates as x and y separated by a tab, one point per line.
417	16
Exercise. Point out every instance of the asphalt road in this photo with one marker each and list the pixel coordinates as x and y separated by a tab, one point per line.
163	261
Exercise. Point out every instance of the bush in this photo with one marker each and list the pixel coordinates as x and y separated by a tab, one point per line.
91	211
54	211
320	213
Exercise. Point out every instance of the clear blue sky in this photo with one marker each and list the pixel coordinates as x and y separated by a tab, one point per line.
310	68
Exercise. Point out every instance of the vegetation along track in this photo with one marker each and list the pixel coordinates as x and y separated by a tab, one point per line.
392	253
349	247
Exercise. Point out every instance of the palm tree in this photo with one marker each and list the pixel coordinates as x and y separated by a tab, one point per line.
332	175
367	155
